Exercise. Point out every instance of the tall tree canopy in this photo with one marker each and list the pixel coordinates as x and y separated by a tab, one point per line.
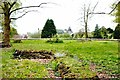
49	29
104	32
109	30
117	32
117	20
7	9
117	12
97	33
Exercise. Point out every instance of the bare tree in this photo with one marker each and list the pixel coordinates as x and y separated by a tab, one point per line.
86	16
88	12
6	9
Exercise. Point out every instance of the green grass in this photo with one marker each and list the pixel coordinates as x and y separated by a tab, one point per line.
103	53
14	68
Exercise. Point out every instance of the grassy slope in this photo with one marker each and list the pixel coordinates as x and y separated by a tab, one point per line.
103	53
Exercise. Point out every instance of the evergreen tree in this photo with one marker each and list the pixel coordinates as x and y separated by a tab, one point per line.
97	33
49	29
103	32
109	30
110	33
117	32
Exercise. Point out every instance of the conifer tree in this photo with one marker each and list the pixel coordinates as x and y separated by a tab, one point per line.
117	32
49	29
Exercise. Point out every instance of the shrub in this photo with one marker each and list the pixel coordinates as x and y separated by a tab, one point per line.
56	40
65	35
17	41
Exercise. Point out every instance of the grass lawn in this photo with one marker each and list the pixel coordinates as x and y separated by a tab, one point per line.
78	57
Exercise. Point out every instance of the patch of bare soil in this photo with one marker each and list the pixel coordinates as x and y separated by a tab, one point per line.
103	75
42	61
50	71
52	75
43	56
30	54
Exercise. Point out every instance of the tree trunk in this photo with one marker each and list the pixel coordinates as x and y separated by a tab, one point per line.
6	30
86	33
6	38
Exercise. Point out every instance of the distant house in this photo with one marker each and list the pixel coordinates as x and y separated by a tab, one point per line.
69	31
60	31
24	36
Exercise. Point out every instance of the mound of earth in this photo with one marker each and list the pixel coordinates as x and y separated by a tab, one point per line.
24	54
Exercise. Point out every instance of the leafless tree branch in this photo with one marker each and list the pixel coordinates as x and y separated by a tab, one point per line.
114	8
98	13
26	7
87	13
108	12
93	10
95	7
11	5
88	9
22	15
84	12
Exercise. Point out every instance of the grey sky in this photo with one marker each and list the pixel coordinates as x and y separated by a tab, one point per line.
65	14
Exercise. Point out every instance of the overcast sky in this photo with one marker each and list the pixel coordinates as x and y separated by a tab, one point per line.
65	13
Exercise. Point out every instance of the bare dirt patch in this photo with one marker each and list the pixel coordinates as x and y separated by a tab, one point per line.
30	54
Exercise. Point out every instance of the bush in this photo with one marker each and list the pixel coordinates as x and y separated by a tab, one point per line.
17	41
56	40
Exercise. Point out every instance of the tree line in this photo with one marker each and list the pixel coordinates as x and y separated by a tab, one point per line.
106	33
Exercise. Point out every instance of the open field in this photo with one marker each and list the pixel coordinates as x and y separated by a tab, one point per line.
103	55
